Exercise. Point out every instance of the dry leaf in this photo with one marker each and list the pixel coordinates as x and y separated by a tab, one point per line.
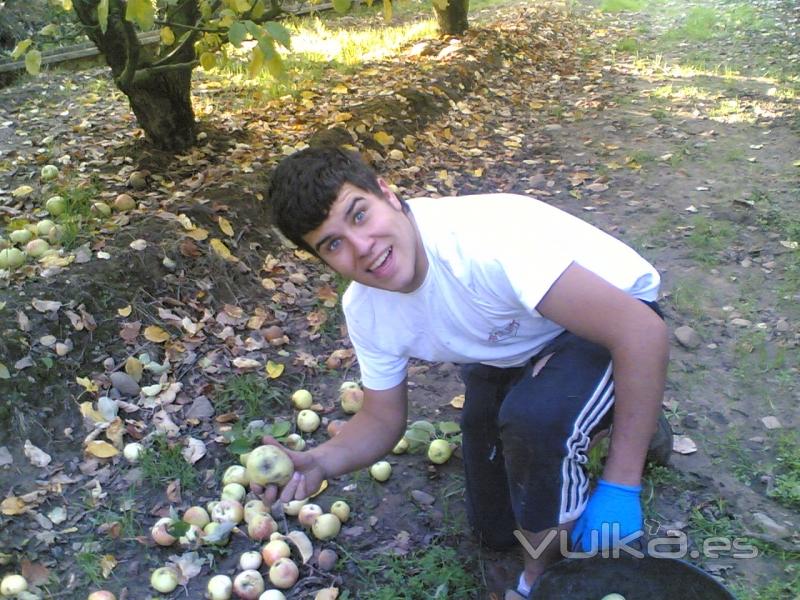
246	363
44	306
225	226
39	458
34	573
383	138
124	312
130	331
87	384
221	250
13	506
4	373
134	368
155	334
138	244
101	449
199	234
88	411
683	445
195	450
274	370
107	564
302	543
457	401
187	565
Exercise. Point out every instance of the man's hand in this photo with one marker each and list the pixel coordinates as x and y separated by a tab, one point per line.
307	478
612	503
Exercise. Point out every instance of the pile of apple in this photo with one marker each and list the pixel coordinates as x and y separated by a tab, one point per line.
273	561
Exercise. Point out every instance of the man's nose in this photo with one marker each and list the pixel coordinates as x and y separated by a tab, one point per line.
362	244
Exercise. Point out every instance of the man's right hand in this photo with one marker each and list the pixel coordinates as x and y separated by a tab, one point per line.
306	480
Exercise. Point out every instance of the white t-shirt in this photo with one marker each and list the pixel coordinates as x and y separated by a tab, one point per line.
491	258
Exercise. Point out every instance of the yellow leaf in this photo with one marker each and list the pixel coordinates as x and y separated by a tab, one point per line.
383	138
199	234
222	250
141	12
88	411
87	383
274	370
256	62
186	222
457	401
208	61
12	506
167	37
124	312
340	89
101	449
154	333
22	191
242	5
134	367
322	487
4	374
107	564
20	48
225	226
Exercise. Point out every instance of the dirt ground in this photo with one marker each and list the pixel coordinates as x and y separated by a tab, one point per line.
682	144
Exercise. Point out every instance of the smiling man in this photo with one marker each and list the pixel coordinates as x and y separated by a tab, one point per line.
554	322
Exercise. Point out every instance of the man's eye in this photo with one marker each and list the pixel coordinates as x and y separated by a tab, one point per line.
333	245
359	216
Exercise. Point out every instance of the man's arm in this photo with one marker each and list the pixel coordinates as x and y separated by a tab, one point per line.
636	337
369	435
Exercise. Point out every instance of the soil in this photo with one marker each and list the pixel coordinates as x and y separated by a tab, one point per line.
696	169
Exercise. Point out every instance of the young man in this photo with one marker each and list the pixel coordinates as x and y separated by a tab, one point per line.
554	320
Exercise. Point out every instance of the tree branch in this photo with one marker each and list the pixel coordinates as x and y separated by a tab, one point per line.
144	74
131	48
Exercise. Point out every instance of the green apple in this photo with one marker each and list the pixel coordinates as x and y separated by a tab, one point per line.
56	205
439	451
269	464
381	471
302	399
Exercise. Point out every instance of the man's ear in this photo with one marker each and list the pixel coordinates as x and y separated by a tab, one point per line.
388	194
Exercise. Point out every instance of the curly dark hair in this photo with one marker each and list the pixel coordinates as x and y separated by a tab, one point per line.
305	184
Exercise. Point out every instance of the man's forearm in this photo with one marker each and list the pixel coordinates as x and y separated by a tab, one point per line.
366	437
639	375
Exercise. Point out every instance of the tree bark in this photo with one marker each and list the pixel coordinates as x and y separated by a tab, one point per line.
452	20
160	95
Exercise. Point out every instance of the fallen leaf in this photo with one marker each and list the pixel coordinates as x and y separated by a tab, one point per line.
101	449
38	457
130	331
87	384
107	564
34	573
134	368
457	401
88	411
221	250
187	565
383	138
13	506
225	226
4	374
246	363
683	445
44	306
22	191
138	245
195	450
124	312
302	543
155	334
274	370
198	234
174	491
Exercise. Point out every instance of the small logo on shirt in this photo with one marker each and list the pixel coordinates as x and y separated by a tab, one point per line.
504	333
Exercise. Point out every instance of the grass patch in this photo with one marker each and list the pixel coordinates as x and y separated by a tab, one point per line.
88	561
774	589
614	6
163	462
690	297
628	45
435	572
709	237
787	471
251	396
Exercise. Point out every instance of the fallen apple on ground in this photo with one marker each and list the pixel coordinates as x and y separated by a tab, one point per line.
302	399
13	584
283	573
351	399
326	526
101	595
439	451
219	587
381	471
164	579
250	560
160	532
235	474
253	508
261	527
308	514
233	491
196	515
227	510
307	421
248	585
274	550
341	509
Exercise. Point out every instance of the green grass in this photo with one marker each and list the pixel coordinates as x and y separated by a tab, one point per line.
88	561
251	396
437	572
690	297
787	471
777	588
613	6
162	463
708	239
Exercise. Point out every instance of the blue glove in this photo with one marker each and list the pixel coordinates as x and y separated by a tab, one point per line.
611	503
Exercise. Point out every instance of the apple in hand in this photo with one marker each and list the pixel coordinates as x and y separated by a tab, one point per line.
269	464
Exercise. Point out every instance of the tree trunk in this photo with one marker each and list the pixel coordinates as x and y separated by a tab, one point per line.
163	107
452	20
159	95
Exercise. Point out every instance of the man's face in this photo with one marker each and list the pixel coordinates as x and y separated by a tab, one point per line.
371	240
